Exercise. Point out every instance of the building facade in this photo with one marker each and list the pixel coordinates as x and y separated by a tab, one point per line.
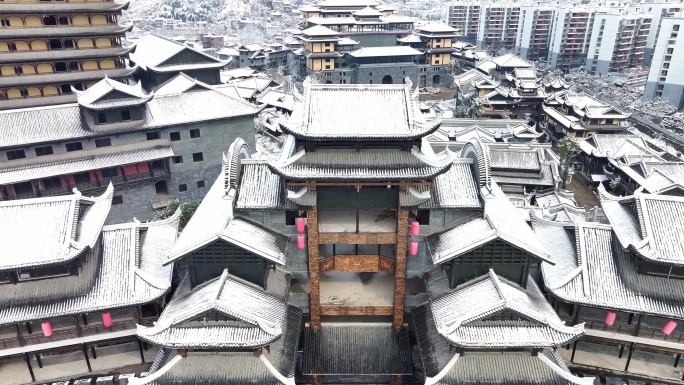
533	37
465	18
46	48
618	42
570	37
498	26
665	76
155	147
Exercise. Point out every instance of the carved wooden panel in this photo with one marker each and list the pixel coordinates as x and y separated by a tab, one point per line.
358	239
356	310
327	264
400	269
357	263
386	265
314	276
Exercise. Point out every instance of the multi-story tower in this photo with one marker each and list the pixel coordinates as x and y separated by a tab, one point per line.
666	76
660	9
533	37
498	26
617	42
46	48
570	37
465	18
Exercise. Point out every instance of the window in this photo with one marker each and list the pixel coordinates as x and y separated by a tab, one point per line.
110	172
68	43
15	154
197	157
126	115
175	136
75	146
117	200
670	51
23	188
154	135
200	184
53	182
45	150
194	134
101	118
182	187
106	142
63	20
177	159
675	27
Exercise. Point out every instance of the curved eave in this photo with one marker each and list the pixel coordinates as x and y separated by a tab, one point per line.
38	56
525	342
73	255
66	77
407	175
58	8
156	337
424	129
647	256
132	103
189	67
24	33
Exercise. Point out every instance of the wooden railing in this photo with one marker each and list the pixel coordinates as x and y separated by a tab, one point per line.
644	331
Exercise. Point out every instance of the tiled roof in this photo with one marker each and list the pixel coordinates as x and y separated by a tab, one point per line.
463	314
500	221
651	225
256	318
353	349
592	269
368	112
73	166
55	123
511	60
395	50
127	269
51	230
650	172
515	158
365	165
152	51
442	366
261	189
615	145
214	220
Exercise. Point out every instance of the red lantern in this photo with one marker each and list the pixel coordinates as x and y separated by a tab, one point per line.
300	224
414	248
106	319
610	318
415	228
47	328
669	327
300	242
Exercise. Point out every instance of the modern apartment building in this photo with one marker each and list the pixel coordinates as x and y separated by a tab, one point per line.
46	48
660	9
533	37
617	42
498	27
666	75
465	18
570	36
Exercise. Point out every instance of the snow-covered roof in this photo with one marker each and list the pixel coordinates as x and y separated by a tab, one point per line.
395	50
153	51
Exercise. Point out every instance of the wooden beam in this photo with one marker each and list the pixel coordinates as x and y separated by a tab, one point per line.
400	269
357	264
356	310
314	275
357	239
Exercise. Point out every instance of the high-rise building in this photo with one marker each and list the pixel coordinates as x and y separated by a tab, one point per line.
660	9
46	48
617	42
465	18
570	35
533	38
666	75
498	26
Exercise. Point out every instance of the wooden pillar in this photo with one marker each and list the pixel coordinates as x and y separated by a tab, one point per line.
575	318
637	329
79	332
314	274
30	368
316	379
85	354
142	355
629	356
395	380
400	269
574	349
20	339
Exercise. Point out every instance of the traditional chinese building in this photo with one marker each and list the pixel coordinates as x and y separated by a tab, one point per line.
349	224
155	147
623	280
78	286
580	115
48	48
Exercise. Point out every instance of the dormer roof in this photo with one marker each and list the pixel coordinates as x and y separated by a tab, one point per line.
108	93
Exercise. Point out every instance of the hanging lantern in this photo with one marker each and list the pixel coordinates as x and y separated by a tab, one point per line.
300	242
106	319
47	328
415	228
669	327
414	248
300	224
610	318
